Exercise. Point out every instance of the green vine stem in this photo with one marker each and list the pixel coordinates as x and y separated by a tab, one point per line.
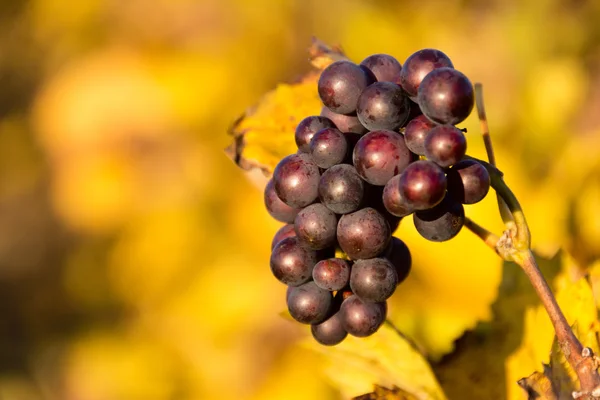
515	245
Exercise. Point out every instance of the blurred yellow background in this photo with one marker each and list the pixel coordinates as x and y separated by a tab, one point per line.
134	253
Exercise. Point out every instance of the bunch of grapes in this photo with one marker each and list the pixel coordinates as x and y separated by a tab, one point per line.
385	146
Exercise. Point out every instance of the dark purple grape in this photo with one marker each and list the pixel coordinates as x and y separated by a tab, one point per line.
468	181
363	234
445	145
393	200
277	208
328	147
362	319
309	304
329	332
315	226
379	155
341	83
307	128
345	123
400	257
291	263
285	231
332	274
442	222
341	189
383	105
446	96
415	132
296	180
422	185
374	279
418	65
385	67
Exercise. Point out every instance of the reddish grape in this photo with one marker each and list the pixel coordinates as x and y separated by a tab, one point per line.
379	155
315	226
445	145
422	185
393	200
309	304
442	222
363	234
415	132
374	279
332	274
329	332
340	85
296	180
383	105
385	67
341	189
285	231
328	147
307	128
362	319
468	181
277	208
291	263
418	65
446	96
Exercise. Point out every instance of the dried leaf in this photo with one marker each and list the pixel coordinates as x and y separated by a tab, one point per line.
386	359
382	393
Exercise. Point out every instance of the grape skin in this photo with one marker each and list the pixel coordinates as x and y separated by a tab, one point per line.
341	189
468	181
423	185
329	332
446	96
307	128
362	319
383	105
418	65
415	133
292	263
332	274
441	223
345	123
363	234
340	85
316	226
277	208
385	67
445	145
309	304
393	200
373	280
328	147
296	180
379	155
285	231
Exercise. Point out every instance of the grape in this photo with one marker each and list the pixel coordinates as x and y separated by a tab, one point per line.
344	123
309	304
315	226
400	257
445	145
385	67
329	332
285	231
291	263
328	147
296	180
363	234
415	132
374	279
446	96
341	83
341	189
379	155
277	208
360	318
383	105
393	200
332	274
422	184
418	65
307	128
442	222
374	199
468	181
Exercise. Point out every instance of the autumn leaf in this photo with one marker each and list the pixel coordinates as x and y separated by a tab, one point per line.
386	359
382	393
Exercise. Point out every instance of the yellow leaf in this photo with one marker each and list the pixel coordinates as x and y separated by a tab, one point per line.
382	393
386	359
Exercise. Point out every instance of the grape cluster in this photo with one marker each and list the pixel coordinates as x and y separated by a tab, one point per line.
385	146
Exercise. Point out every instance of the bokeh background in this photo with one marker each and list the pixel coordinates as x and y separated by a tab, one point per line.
134	253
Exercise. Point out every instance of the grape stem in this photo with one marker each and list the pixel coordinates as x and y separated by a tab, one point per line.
515	245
